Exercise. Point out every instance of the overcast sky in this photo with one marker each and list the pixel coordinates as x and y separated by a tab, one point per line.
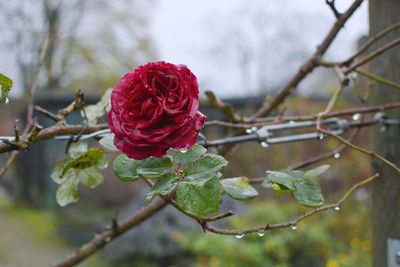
206	36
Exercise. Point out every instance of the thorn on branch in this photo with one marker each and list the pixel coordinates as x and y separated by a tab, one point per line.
332	6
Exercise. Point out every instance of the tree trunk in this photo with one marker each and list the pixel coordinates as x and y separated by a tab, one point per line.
386	189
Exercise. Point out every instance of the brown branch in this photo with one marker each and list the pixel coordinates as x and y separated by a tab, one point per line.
370	42
324	156
29	114
332	6
307	67
360	149
109	234
52	132
294	221
272	120
372	55
227	109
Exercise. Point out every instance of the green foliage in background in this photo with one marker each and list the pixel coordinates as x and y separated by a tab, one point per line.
331	239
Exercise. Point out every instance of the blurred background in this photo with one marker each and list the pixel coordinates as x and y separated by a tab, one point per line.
241	51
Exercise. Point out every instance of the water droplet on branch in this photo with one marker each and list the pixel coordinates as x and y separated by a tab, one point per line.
239	236
337	208
337	155
264	144
321	136
6	100
293	227
261	232
356	116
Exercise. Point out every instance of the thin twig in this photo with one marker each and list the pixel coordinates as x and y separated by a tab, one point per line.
370	42
306	68
372	55
362	150
294	221
377	78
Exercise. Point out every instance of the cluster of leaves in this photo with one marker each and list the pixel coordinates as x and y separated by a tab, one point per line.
300	184
193	176
84	166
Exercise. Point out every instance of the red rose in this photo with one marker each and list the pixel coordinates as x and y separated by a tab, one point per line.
154	108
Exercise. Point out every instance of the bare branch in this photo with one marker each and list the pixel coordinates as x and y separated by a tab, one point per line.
109	234
307	67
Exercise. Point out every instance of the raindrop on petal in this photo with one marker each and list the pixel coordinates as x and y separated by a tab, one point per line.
261	232
184	150
337	155
356	116
239	236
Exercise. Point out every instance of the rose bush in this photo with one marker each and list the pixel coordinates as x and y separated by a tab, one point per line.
154	108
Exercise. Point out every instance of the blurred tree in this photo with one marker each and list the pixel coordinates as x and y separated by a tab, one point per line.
386	200
90	42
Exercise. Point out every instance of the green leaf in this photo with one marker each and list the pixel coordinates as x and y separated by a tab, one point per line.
317	171
108	142
239	188
68	192
85	160
56	173
94	112
204	168
283	179
164	185
199	198
308	193
91	177
154	167
194	153
6	85
77	148
126	168
296	174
